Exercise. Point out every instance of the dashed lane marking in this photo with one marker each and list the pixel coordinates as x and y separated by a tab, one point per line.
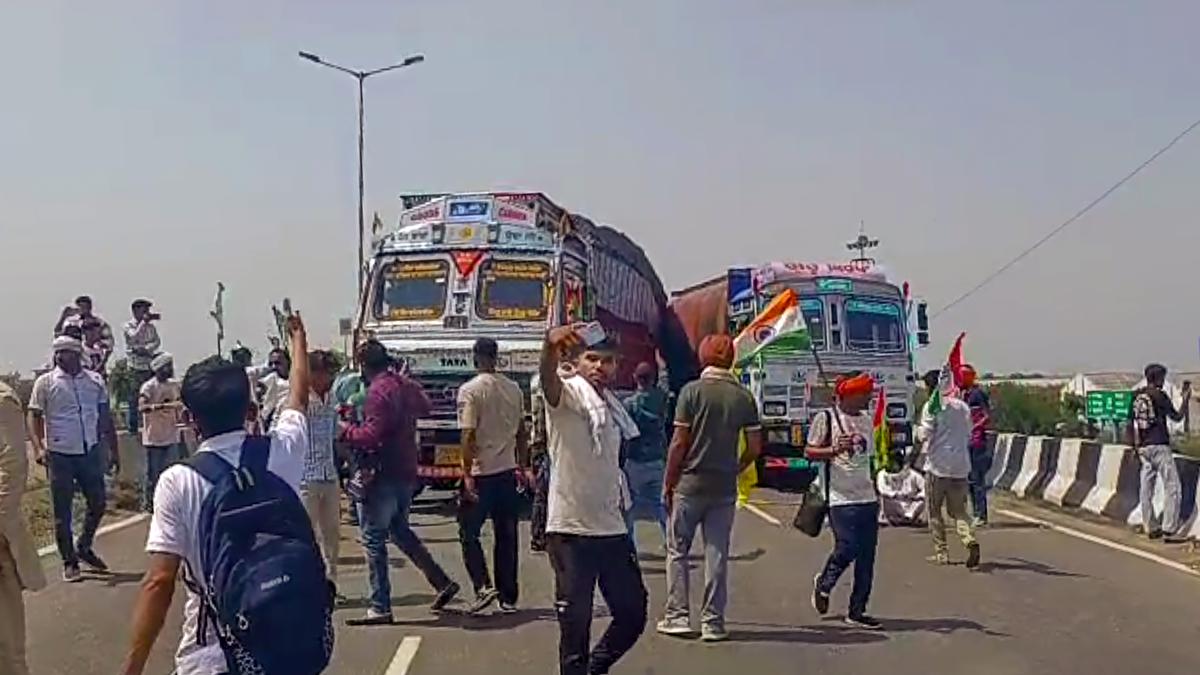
405	653
763	514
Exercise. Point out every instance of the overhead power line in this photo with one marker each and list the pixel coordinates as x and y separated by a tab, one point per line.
1067	223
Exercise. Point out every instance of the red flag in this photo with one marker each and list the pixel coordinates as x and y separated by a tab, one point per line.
955	362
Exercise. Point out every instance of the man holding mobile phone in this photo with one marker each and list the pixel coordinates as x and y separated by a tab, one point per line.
142	344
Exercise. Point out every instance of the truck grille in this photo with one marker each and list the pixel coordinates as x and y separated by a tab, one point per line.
442	391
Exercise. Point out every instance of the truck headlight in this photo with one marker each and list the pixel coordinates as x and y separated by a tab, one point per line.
897	410
775	409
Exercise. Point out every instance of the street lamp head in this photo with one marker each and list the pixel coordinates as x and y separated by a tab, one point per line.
415	59
311	57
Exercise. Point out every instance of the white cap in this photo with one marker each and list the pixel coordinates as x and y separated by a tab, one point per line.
66	343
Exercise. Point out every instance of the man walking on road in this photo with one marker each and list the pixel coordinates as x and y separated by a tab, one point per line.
217	395
701	485
585	530
1151	410
388	467
161	403
645	460
844	437
491	416
945	430
319	489
70	427
141	345
20	569
981	457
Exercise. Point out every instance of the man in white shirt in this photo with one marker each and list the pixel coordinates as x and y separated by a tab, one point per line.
945	430
843	437
71	427
161	404
218	396
141	346
586	535
274	385
491	414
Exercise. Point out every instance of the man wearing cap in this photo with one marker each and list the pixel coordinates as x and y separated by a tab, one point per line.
68	420
491	414
646	455
700	488
141	345
843	438
159	400
586	535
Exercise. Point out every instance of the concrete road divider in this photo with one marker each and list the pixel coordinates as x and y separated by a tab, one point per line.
1103	479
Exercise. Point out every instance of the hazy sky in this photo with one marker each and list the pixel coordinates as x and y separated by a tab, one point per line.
154	148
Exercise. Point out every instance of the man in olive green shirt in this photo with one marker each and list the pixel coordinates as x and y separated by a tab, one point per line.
700	489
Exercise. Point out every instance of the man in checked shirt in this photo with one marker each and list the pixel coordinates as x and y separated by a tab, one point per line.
319	485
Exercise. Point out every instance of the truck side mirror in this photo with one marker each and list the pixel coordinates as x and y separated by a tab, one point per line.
923	317
923	338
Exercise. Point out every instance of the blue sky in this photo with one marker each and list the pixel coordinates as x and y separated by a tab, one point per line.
153	148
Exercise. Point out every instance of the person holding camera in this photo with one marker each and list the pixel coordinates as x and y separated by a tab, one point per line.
141	346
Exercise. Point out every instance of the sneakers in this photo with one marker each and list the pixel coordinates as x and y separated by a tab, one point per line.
483	600
863	621
713	634
508	608
675	628
973	556
92	560
444	596
1155	534
939	559
71	574
1175	539
372	618
820	601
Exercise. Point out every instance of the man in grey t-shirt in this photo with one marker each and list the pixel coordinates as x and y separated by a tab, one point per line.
700	488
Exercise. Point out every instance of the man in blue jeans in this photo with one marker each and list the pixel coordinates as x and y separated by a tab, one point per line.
70	427
981	456
843	437
387	469
645	459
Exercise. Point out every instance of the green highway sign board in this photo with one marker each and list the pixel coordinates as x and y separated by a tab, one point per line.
1109	405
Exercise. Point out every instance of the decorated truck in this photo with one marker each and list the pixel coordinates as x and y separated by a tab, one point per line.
857	320
503	265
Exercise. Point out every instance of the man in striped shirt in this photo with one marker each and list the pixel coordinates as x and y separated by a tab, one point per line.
319	484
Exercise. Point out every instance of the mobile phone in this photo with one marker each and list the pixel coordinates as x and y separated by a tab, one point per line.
592	333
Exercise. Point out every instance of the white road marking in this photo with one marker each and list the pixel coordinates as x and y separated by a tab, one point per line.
106	529
405	653
762	514
1145	555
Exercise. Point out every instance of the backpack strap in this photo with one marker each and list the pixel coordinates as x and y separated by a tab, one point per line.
213	469
255	452
209	465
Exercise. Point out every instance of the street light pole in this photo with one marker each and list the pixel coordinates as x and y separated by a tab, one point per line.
361	76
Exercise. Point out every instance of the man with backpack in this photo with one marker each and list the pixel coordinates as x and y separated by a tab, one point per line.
231	519
1152	407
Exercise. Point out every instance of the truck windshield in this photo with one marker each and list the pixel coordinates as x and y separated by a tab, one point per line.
412	289
514	290
873	326
813	310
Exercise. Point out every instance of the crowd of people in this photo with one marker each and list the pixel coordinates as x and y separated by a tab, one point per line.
251	522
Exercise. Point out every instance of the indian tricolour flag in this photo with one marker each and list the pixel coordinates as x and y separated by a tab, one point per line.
778	329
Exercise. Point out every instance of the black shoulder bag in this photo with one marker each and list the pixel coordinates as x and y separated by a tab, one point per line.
814	504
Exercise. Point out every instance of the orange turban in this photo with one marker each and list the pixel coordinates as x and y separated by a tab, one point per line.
717	351
851	386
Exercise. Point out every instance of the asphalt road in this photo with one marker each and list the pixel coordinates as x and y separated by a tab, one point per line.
1042	603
